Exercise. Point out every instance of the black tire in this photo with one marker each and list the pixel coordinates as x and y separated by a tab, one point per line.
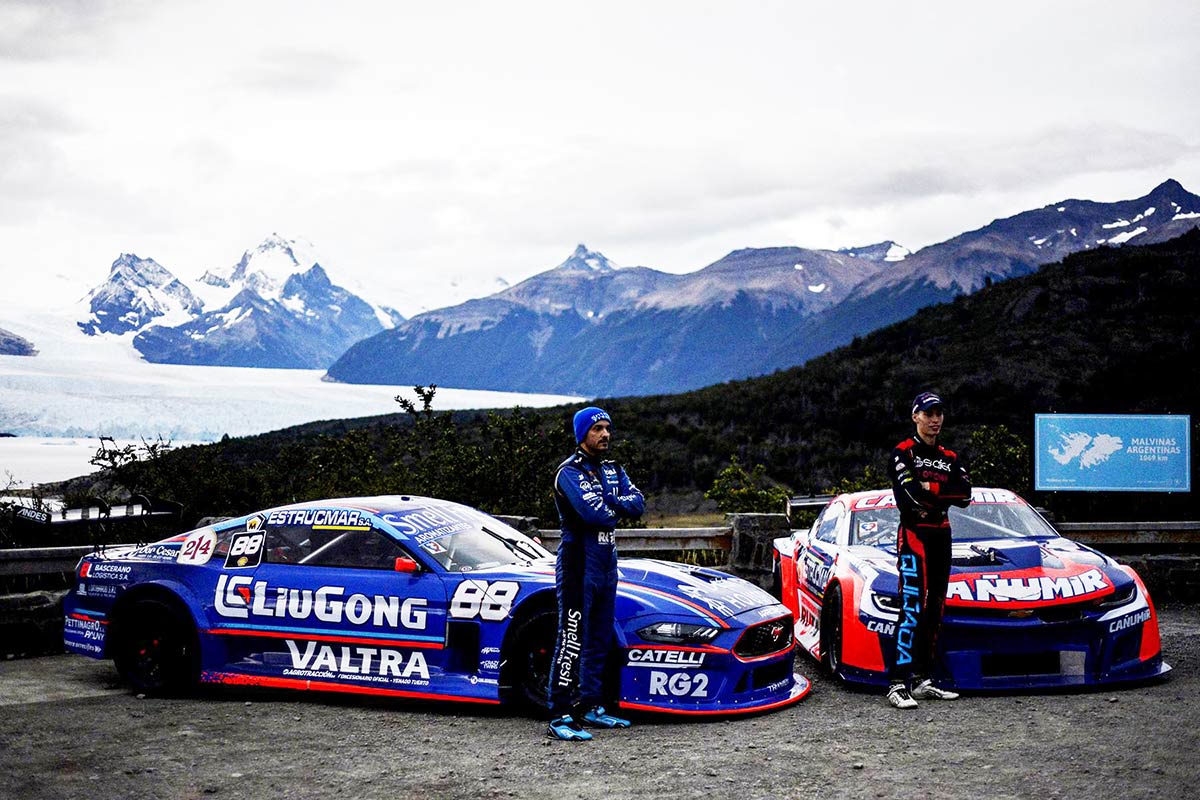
156	650
831	631
528	655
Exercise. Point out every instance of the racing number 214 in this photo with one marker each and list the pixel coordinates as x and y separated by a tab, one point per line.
488	601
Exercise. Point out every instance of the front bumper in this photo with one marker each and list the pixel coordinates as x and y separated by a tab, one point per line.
745	670
1004	654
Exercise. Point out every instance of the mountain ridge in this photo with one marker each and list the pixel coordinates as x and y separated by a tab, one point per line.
756	310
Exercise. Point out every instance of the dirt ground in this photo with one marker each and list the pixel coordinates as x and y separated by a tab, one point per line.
68	730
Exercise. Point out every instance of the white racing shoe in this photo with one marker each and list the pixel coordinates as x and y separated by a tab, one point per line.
899	696
926	690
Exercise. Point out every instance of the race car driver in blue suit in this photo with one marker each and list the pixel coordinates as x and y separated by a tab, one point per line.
591	494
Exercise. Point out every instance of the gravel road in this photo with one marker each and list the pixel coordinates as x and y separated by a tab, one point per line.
68	730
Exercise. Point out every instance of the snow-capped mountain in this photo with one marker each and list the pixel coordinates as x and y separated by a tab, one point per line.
138	291
591	325
883	251
1005	248
266	271
588	327
276	307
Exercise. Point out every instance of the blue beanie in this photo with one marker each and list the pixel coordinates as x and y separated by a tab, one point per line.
585	418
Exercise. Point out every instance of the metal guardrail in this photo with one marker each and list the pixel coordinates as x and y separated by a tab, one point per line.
650	540
1150	534
49	560
42	560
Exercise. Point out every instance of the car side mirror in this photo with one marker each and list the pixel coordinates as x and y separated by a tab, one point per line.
406	564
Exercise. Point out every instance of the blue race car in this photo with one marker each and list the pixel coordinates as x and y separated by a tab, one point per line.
419	598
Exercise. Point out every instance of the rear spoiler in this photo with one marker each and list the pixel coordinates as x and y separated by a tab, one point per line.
809	502
139	507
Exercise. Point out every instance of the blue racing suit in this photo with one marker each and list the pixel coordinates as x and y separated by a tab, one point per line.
591	495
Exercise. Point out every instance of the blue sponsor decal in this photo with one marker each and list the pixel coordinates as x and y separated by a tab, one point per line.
1112	453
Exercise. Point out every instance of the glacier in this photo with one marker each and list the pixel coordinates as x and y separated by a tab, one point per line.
82	387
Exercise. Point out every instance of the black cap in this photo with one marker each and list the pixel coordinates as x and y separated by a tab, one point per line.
925	401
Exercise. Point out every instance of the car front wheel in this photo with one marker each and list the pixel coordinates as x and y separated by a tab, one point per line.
528	658
831	630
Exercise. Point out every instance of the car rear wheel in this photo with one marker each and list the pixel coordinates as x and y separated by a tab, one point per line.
831	630
529	654
156	650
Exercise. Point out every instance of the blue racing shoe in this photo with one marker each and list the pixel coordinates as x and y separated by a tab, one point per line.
601	719
567	729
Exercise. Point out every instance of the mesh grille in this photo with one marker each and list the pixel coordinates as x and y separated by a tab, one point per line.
764	638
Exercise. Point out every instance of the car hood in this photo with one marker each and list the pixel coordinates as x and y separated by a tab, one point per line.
648	585
1017	574
706	590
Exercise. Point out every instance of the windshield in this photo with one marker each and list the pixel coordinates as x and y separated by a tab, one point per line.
462	539
877	526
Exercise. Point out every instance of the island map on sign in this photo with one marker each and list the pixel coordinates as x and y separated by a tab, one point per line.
1089	450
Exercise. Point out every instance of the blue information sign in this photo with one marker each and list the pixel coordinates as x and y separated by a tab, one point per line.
1112	453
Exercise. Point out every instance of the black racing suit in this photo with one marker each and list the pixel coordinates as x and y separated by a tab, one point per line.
591	495
923	548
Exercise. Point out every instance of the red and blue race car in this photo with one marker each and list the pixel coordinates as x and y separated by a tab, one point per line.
1025	608
417	598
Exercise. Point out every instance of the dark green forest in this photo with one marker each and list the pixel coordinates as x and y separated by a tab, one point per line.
1108	330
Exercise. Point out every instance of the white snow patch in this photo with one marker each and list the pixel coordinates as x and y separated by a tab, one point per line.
1186	215
1121	223
1122	238
1062	208
897	253
1073	233
800	267
294	304
817	289
1042	241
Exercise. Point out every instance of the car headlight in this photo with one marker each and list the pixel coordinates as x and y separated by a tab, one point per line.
884	603
1119	597
679	633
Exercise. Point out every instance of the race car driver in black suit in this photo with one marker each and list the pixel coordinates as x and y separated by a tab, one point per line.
927	479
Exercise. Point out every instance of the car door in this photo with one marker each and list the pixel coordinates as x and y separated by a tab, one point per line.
310	598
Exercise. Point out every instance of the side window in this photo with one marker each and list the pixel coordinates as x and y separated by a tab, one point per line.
359	549
828	524
291	544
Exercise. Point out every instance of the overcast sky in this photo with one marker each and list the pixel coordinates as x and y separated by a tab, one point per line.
427	148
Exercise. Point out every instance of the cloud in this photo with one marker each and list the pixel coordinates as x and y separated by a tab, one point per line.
33	163
41	30
295	71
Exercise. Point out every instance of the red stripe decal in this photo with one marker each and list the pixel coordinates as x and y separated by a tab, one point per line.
317	637
232	679
708	648
716	712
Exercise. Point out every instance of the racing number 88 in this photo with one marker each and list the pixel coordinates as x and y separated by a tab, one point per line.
246	545
490	602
